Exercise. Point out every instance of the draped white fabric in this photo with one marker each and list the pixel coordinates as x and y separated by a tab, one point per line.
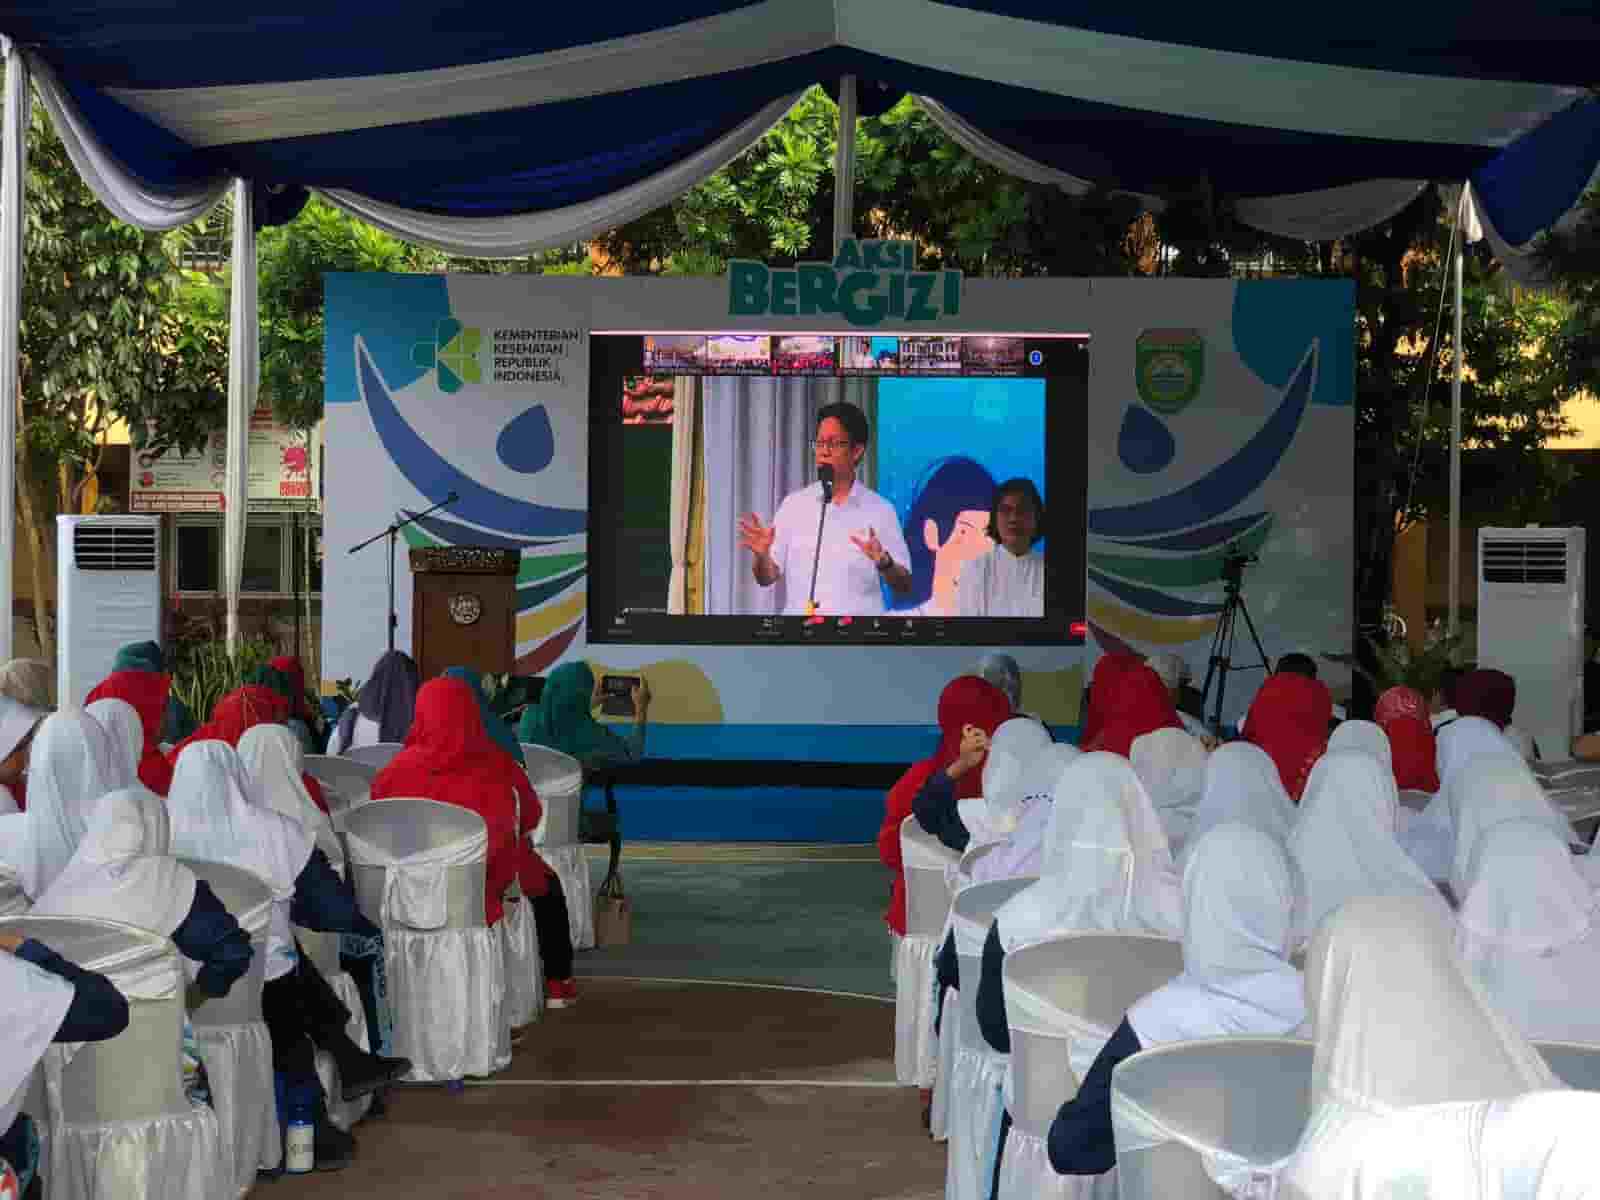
1334	212
13	176
1242	785
244	376
1365	737
416	886
127	197
685	419
944	1053
1106	863
913	1010
70	766
176	1156
512	236
1344	842
35	1003
1465	738
1399	1022
274	757
571	866
238	1061
447	993
1487	790
1171	763
1026	1174
1527	929
980	145
977	1077
524	971
121	871
121	722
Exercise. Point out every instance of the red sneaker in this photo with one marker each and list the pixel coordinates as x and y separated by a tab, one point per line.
560	993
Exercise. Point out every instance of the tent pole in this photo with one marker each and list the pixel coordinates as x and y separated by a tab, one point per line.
844	164
13	190
1453	625
244	367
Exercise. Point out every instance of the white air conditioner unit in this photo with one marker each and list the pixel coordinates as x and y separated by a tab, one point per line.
1530	625
108	594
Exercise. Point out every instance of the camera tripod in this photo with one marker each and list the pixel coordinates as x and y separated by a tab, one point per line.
1220	661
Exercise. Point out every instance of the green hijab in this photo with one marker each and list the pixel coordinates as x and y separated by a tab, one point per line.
276	680
140	656
493	724
562	719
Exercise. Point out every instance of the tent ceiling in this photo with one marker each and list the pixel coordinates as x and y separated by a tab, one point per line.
474	110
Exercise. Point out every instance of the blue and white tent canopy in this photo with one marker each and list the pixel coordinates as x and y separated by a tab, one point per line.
496	128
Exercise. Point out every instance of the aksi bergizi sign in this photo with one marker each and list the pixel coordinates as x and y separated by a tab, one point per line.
869	281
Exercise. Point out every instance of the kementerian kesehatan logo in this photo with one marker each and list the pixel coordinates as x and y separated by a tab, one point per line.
453	353
1170	365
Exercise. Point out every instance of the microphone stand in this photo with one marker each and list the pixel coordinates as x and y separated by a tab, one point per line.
392	533
816	556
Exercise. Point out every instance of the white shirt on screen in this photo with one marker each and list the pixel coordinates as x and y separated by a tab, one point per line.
847	580
999	584
365	733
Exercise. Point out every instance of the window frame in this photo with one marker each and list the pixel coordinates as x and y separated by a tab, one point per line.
310	519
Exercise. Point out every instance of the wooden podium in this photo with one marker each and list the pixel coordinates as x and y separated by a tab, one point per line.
464	608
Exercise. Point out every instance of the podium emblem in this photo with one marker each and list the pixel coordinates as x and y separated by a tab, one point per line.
465	608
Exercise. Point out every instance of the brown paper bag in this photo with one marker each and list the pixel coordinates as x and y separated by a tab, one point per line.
613	914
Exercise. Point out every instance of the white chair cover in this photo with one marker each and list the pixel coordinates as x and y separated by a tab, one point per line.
1486	790
557	779
1574	1064
519	939
121	1125
234	1043
924	860
1064	999
977	1070
419	868
378	756
1219	1117
346	784
1573	787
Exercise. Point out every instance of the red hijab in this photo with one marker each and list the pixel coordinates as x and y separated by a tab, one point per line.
1415	753
1400	702
448	757
235	714
290	666
1136	702
1487	693
1102	684
147	692
967	700
1289	720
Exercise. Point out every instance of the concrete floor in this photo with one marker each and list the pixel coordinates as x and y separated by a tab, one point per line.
652	1090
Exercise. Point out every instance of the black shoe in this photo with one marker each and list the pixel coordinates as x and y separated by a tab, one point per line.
368	1073
333	1147
379	1106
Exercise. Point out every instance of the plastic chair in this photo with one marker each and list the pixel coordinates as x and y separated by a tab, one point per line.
976	1070
419	868
1201	1120
1064	999
923	859
1575	1063
120	1122
234	1042
346	783
557	778
377	756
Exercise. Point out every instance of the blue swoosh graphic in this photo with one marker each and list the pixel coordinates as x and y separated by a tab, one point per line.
1151	601
436	478
1226	484
1205	537
463	535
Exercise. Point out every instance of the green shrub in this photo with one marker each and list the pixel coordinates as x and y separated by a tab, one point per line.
204	672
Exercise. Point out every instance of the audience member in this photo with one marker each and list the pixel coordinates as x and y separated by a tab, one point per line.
1171	764
1241	787
138	679
1002	671
18	724
1492	695
1136	702
1489	789
120	721
29	681
1174	675
384	707
1289	720
70	766
563	719
1296	663
1402	714
304	721
239	711
1442	703
1097	705
499	732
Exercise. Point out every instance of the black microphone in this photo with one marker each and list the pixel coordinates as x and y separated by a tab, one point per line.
825	477
451	498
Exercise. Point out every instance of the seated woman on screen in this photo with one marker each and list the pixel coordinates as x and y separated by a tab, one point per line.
1008	580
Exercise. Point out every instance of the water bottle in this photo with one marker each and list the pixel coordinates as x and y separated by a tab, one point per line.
299	1153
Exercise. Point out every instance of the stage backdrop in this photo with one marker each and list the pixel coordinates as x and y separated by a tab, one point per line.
1219	414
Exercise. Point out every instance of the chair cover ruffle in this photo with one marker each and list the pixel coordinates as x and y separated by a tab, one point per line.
913	1011
176	1157
1137	1128
975	1106
524	971
341	1112
238	1061
945	1061
1026	1174
571	866
447	993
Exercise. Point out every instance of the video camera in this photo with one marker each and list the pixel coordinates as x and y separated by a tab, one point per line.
1234	561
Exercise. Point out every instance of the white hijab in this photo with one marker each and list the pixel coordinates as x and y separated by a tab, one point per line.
121	722
1399	1019
1105	864
1488	789
1344	840
1016	743
1238	905
273	756
1463	739
1364	736
71	765
34	1002
1021	852
1242	786
1171	763
122	869
1527	929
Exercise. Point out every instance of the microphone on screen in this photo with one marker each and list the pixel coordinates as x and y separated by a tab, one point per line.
825	477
